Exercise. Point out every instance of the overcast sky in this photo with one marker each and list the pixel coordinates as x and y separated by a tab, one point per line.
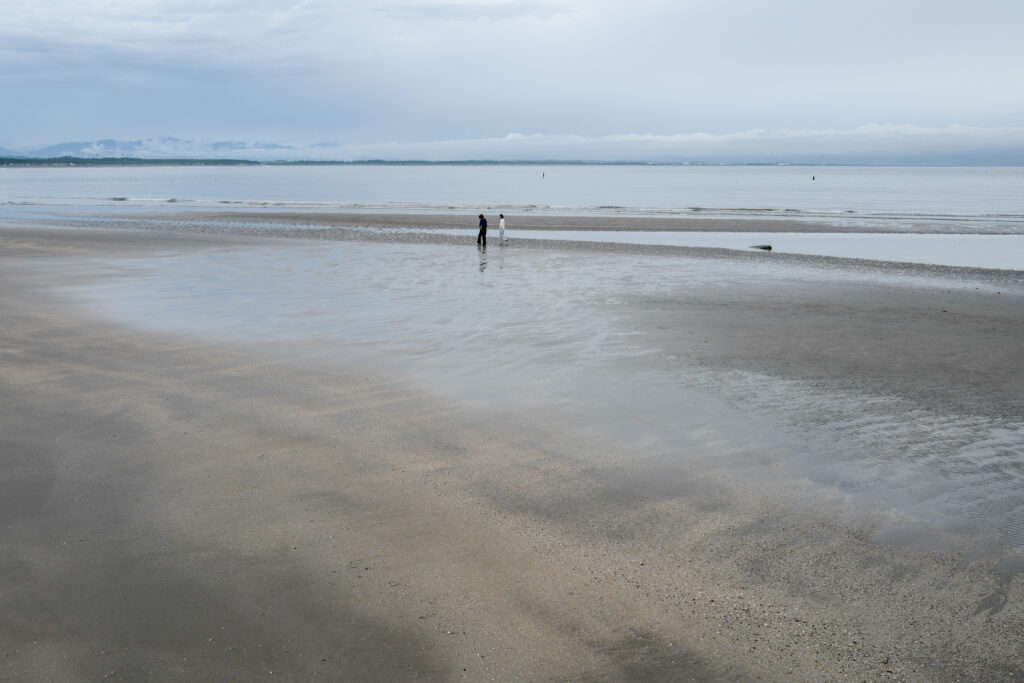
656	79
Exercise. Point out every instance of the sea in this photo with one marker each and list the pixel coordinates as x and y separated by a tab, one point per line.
988	200
984	203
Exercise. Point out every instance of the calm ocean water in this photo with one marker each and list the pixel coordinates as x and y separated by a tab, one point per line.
932	199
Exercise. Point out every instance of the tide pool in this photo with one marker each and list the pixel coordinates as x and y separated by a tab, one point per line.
1004	252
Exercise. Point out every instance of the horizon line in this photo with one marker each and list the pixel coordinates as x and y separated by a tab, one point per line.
6	160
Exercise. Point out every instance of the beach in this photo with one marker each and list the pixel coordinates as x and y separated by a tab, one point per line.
248	445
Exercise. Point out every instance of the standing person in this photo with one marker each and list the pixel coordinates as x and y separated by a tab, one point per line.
481	237
501	229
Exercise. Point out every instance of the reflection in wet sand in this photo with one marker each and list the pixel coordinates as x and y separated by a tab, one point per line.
964	250
670	357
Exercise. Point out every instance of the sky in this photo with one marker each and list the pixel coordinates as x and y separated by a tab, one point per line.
659	80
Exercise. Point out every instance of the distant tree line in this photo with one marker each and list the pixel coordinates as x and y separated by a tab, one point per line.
137	161
120	161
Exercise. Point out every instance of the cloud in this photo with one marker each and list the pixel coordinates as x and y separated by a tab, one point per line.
871	144
473	11
885	144
415	71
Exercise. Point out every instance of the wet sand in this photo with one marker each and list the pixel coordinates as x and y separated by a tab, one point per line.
176	508
523	221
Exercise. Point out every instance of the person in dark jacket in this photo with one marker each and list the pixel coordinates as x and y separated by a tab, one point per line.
481	237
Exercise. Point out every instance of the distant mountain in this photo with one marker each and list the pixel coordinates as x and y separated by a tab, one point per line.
161	148
885	145
4	152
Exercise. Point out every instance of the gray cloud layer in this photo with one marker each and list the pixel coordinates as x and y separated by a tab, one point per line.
655	77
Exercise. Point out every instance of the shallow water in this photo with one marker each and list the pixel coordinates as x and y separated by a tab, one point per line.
969	251
553	331
896	199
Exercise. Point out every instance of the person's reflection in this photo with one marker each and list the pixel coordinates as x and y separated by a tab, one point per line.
483	261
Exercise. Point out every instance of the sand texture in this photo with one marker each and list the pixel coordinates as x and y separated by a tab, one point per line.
184	506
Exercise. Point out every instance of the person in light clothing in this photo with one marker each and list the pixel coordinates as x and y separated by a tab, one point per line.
501	228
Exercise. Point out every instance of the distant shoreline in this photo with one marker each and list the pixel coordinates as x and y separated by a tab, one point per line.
119	161
70	161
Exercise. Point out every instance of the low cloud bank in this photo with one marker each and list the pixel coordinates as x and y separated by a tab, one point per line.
871	144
